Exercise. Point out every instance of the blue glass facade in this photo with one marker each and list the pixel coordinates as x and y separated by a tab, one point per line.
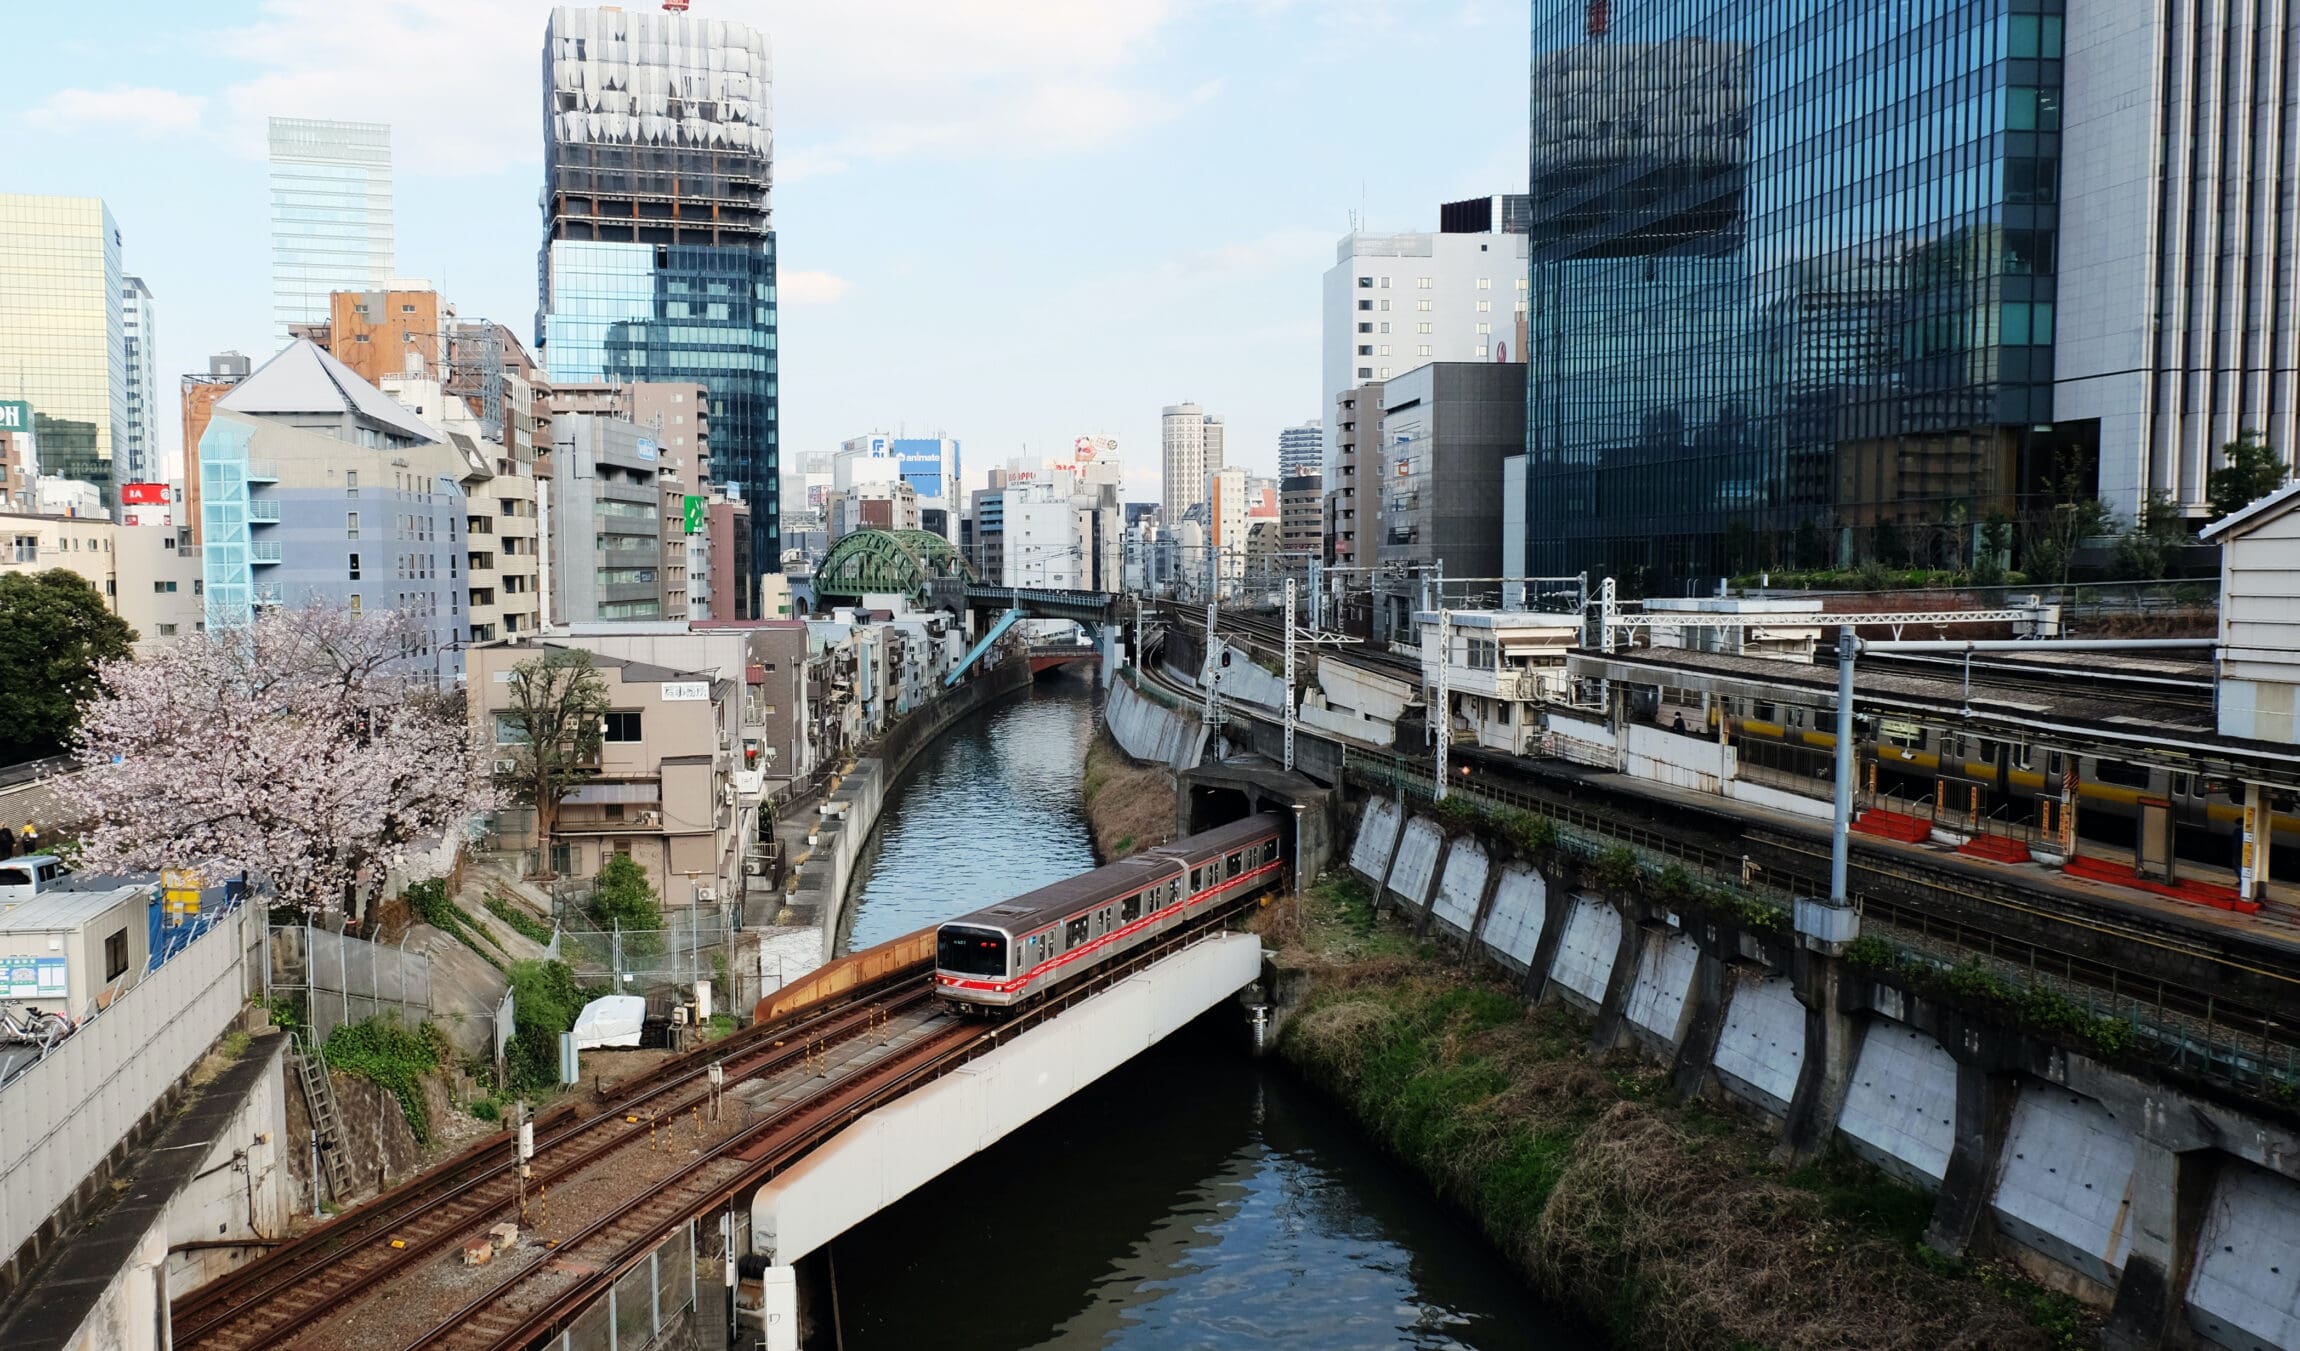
1790	280
630	311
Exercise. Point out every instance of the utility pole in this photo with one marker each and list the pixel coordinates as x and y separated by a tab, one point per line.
1213	664
1290	677
1441	713
1317	595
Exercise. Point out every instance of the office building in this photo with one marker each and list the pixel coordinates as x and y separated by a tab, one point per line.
929	464
1794	331
1191	440
62	348
658	258
1229	512
1447	428
1061	526
503	562
331	215
1301	506
1396	301
139	452
316	486
1357	438
1302	450
606	521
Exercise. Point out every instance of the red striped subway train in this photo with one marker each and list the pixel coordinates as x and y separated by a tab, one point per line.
1012	952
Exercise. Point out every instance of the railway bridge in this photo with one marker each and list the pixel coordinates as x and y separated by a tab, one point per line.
639	1202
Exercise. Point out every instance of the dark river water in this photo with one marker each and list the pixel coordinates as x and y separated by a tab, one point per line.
1194	1198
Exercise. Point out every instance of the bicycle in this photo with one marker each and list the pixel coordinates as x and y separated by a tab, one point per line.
32	1027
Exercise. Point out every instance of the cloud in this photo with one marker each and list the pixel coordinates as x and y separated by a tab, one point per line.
143	109
810	288
854	80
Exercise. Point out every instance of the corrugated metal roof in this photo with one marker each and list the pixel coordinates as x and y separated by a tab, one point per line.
51	911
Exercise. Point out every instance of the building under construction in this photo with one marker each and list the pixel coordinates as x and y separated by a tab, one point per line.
658	260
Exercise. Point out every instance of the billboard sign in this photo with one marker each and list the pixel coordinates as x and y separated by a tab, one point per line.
34	978
15	416
694	514
646	449
144	494
686	691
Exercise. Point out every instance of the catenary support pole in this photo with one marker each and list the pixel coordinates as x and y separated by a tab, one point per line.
1848	761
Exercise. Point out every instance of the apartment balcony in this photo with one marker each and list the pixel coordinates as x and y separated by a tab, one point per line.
263	511
263	552
263	471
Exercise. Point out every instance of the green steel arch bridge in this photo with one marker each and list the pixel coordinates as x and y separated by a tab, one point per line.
924	567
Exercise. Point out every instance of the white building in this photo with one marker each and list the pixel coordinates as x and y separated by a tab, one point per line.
1192	444
1500	666
1063	526
137	456
1397	301
1229	513
331	215
929	464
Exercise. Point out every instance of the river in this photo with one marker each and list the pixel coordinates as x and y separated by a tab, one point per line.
1194	1198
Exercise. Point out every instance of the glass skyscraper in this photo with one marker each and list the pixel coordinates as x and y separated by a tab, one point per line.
658	258
331	215
1791	280
62	348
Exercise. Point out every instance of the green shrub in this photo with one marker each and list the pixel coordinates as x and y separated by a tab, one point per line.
486	1109
521	922
545	1000
621	898
1616	869
393	1056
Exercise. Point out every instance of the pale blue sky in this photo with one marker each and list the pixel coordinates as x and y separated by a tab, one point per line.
1013	220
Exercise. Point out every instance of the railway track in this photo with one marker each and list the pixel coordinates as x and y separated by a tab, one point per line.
559	1282
268	1302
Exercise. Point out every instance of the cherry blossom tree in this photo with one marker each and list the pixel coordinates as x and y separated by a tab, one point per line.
304	749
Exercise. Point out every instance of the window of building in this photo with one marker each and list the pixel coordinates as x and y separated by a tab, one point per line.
1365	328
1422	350
116	955
1422	305
1385	327
167	630
620	726
1422	283
1485	283
1385	305
1485	307
353	567
1481	349
355	602
164	588
1365	351
1364	373
1485	328
1423	327
1385	283
1385	372
1365	283
1365	304
1385	349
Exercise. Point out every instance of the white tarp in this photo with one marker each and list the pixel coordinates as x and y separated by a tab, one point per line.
612	1021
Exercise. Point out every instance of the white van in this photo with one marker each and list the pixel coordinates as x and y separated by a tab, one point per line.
27	876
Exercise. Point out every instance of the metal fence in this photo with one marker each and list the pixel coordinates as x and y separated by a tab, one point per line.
64	1115
697	944
339	979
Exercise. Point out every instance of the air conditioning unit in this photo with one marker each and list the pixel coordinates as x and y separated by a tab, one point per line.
650	818
706	893
506	766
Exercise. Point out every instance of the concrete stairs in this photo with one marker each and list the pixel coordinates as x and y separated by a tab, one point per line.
1995	849
1893	826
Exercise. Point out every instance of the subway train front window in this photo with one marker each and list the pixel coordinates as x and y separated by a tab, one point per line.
971	952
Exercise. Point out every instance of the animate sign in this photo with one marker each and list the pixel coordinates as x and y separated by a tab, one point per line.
686	691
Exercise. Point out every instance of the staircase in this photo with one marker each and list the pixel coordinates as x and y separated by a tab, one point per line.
1995	848
1894	826
326	1126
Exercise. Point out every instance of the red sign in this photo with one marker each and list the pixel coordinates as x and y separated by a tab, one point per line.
144	494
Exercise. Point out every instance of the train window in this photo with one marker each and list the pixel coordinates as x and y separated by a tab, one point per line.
2118	772
1764	712
2053	764
970	952
1237	863
2183	784
1074	933
1952	746
1132	910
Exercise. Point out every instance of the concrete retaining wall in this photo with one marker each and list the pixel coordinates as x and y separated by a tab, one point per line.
1376	840
1587	950
2065	1182
1520	909
1416	866
1762	1048
1461	887
1901	1107
2180	1212
1151	732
